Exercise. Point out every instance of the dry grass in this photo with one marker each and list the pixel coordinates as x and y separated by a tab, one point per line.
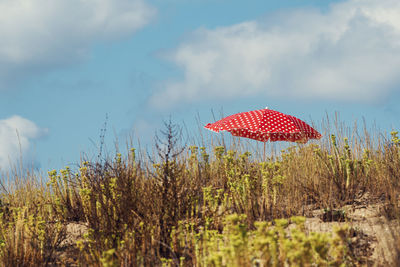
172	208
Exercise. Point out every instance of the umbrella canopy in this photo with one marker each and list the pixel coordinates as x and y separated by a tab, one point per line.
266	125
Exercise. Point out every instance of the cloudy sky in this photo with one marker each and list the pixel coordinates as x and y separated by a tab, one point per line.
66	65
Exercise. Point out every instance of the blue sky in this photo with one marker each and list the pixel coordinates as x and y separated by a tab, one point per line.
65	64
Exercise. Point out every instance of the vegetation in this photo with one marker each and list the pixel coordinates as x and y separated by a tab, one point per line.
198	206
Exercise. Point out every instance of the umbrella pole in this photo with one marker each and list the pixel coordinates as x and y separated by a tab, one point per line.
264	153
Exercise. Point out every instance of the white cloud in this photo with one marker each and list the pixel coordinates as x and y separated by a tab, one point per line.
42	34
16	135
351	52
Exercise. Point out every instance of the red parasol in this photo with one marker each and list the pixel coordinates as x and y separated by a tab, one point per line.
266	124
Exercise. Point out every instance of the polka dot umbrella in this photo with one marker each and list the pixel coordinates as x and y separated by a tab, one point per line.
266	125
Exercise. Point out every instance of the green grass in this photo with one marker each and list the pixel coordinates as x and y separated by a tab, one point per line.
202	206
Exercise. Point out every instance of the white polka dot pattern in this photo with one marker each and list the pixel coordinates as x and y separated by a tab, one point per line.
264	125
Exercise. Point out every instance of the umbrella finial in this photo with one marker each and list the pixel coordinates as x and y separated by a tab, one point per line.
266	107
